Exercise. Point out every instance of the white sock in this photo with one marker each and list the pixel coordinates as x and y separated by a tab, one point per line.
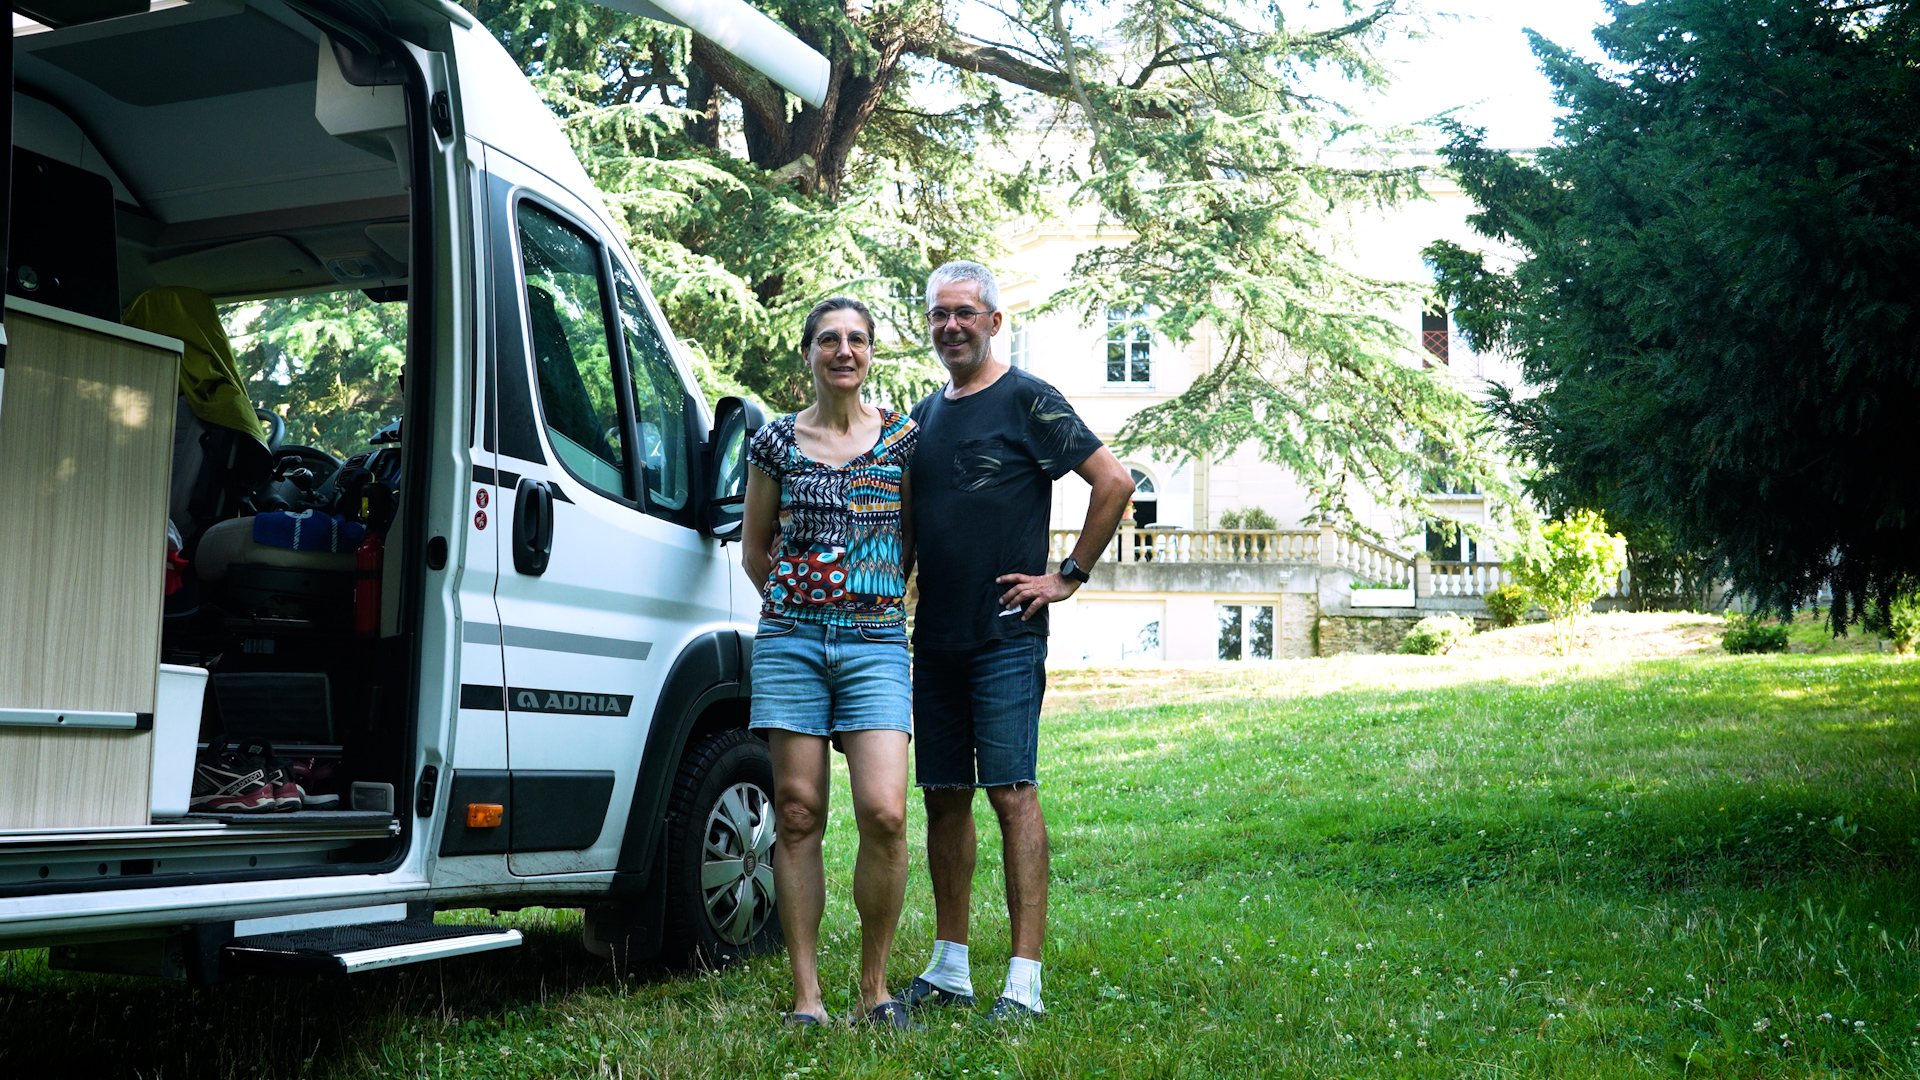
1023	983
948	969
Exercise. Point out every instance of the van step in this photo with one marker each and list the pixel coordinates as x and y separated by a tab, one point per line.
343	950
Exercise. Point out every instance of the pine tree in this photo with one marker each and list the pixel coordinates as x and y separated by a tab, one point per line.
1716	295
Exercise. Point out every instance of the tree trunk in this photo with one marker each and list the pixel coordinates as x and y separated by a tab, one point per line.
703	98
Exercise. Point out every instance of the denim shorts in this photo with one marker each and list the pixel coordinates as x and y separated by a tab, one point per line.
823	680
976	713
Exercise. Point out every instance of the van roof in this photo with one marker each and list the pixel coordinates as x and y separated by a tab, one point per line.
203	116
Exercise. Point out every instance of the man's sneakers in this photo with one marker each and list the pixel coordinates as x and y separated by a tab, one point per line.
1008	1011
307	774
922	994
236	779
225	782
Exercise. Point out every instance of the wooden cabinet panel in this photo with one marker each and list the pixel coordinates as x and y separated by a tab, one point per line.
86	452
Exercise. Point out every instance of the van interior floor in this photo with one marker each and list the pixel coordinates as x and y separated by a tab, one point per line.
196	843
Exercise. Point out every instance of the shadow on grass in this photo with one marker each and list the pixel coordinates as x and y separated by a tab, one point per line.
60	1023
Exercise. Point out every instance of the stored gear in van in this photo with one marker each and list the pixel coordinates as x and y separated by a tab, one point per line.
267	703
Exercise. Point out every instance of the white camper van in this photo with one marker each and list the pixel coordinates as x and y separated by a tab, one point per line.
504	649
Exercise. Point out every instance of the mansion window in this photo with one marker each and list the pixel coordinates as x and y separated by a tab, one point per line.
1246	631
1129	347
1434	335
1019	352
1146	501
1451	545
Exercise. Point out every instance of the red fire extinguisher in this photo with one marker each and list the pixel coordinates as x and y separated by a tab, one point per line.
366	585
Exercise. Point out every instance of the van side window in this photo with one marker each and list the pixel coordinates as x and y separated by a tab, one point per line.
572	358
660	402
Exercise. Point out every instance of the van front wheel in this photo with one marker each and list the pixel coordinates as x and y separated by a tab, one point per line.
720	839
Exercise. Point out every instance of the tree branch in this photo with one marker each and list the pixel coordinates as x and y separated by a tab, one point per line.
757	94
1854	9
999	63
1161	60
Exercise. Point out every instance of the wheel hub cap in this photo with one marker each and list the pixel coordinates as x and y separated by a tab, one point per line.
736	878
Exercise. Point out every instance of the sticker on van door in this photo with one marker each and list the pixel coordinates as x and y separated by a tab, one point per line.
524	699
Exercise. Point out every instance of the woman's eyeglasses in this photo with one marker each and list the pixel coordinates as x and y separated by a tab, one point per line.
938	317
830	341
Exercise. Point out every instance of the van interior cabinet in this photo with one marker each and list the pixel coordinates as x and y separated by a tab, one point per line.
86	449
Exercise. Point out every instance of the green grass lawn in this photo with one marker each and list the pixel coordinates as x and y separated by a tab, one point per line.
1387	866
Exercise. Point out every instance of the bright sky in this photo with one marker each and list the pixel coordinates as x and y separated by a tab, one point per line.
1474	57
1478	60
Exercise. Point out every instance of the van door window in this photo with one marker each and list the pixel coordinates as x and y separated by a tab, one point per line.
660	402
573	361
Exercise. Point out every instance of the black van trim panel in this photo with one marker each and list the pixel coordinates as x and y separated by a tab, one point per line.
477	786
541	810
512	429
708	671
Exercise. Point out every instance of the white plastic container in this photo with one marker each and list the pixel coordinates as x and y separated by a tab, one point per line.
176	737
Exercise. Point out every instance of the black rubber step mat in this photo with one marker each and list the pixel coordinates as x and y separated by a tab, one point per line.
334	949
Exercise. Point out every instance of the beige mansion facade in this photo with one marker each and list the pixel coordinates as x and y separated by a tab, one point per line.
1182	589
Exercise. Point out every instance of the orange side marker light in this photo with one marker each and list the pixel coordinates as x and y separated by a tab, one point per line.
484	815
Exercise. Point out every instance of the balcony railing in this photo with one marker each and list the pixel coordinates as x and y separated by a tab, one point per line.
1480	578
1131	545
1325	547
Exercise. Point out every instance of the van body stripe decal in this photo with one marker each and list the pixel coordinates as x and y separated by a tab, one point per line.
491	698
526	637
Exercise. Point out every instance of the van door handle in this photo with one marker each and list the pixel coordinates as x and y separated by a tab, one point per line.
532	526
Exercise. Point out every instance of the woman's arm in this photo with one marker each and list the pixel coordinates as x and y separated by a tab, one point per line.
759	523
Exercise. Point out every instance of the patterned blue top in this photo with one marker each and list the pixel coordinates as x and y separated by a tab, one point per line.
842	559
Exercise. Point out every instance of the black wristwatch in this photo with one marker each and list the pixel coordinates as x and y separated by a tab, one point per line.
1071	569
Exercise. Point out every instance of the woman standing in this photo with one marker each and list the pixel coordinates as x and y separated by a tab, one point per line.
830	658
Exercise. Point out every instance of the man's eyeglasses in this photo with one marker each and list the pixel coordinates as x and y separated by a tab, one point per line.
830	341
938	317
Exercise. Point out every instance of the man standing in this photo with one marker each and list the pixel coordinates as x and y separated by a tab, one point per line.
992	442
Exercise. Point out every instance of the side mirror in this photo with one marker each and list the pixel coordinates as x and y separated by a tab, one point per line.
724	464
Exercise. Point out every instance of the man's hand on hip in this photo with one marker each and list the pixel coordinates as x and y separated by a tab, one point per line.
1034	592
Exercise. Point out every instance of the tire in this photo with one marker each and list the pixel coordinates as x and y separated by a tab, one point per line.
720	901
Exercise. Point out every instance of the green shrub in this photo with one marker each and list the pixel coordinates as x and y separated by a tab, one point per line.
1752	634
1901	621
1508	603
1567	567
1251	518
1435	634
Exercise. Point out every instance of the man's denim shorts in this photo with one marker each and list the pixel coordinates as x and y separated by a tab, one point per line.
976	713
824	680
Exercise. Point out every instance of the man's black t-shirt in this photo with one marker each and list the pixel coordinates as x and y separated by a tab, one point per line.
982	493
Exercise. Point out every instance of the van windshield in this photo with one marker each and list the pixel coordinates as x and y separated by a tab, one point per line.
328	363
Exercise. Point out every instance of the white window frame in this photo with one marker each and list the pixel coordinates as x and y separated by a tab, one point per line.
1140	335
1248	613
1020	348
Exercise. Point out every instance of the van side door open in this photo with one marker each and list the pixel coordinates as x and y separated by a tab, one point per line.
607	575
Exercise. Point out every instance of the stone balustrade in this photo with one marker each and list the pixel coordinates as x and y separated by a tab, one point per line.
1326	547
1135	545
